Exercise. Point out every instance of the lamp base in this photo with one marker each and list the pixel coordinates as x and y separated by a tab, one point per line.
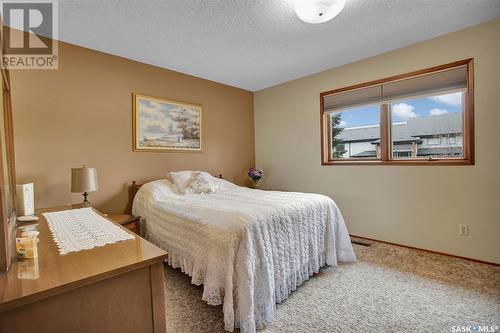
86	202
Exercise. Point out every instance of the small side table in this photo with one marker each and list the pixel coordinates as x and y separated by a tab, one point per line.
131	222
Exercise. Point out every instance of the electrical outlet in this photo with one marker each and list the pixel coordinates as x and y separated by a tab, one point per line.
463	230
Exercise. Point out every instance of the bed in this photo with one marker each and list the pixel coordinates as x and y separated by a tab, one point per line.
248	248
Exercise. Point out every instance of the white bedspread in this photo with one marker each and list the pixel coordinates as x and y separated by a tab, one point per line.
249	248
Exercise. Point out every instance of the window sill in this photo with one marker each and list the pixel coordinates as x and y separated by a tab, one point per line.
402	162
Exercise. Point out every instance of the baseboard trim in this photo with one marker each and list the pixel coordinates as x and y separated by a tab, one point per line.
430	251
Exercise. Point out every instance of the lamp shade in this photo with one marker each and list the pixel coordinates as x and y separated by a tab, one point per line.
83	180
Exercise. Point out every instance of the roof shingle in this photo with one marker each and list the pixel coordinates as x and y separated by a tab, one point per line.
411	130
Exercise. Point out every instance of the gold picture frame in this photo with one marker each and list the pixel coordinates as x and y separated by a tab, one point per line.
164	125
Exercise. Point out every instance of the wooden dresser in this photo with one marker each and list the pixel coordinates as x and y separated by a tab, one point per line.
114	288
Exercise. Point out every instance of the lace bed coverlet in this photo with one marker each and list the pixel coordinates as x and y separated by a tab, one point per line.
249	248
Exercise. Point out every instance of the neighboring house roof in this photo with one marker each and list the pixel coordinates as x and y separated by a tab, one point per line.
363	133
439	151
450	123
409	131
366	153
399	138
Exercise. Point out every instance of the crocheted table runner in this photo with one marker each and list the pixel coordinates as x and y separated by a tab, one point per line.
82	229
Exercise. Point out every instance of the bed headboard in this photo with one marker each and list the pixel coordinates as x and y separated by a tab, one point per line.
132	192
136	186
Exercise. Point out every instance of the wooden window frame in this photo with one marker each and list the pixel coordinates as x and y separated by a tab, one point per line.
7	221
385	121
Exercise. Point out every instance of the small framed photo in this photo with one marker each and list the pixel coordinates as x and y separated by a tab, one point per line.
163	125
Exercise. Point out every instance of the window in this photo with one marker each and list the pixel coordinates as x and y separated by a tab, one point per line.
431	126
450	140
350	129
420	118
433	141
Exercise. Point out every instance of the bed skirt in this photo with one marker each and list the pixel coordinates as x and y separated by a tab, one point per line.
264	313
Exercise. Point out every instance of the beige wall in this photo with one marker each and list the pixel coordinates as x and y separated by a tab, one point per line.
82	113
416	206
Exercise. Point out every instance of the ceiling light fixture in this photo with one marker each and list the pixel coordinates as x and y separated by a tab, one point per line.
318	11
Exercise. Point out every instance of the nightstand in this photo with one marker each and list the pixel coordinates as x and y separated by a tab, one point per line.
131	222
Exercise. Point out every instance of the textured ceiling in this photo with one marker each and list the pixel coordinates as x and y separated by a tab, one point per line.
254	44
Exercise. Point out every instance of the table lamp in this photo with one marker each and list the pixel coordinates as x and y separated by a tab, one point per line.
84	180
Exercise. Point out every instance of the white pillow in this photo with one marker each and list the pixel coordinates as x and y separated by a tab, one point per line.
202	182
181	180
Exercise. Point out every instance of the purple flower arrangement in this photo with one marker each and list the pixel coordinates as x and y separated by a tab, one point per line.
255	174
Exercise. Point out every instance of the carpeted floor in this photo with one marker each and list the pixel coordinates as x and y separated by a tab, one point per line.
389	289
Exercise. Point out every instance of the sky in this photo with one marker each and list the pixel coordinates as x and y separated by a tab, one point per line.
404	110
157	119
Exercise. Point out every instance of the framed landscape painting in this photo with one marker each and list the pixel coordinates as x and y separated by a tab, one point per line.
164	125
